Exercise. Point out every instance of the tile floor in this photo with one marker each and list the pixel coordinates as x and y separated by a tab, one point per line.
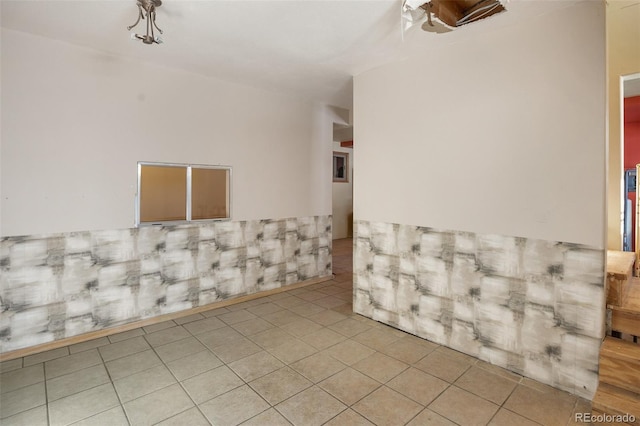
300	357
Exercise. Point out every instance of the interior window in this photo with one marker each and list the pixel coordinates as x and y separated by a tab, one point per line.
182	193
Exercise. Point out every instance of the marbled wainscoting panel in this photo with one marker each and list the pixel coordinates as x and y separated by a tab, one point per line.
534	307
62	285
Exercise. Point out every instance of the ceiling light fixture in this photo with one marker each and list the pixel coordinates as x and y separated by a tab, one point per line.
147	10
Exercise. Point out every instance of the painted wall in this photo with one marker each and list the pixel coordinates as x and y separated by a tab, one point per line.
623	45
75	121
511	118
342	212
510	136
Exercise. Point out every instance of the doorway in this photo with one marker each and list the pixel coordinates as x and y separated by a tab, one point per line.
630	137
342	182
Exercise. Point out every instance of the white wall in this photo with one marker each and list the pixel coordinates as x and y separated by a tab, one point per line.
75	121
343	199
503	133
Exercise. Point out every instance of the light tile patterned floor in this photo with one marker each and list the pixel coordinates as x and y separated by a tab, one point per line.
300	357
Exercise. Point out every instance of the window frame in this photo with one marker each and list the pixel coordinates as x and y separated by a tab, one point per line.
189	186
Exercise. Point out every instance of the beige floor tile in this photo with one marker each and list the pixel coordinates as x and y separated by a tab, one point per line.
14	364
16	379
168	335
310	407
407	350
273	338
77	381
215	312
310	296
236	350
33	417
289	302
158	406
112	417
376	338
256	365
145	382
349	352
278	296
346	295
281	317
237	316
417	385
159	326
318	367
252	326
323	338
245	305
582	406
234	407
264	309
132	364
180	349
292	352
91	344
349	385
125	335
301	327
349	418
82	405
193	365
71	363
267	418
331	289
45	356
505	417
219	337
188	319
306	309
346	309
204	325
280	385
417	340
502	372
191	417
380	367
327	317
349	327
486	384
212	383
330	302
463	407
440	365
123	348
452	353
428	417
387	407
550	407
22	399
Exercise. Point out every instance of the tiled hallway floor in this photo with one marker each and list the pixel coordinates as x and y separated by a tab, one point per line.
300	357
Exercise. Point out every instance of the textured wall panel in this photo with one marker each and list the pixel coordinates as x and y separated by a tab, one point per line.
534	307
62	285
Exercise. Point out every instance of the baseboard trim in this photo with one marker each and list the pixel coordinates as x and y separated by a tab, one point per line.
31	350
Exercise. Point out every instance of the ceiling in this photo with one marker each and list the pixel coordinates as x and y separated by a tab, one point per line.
311	48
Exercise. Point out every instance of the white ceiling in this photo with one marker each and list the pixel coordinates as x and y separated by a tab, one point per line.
308	47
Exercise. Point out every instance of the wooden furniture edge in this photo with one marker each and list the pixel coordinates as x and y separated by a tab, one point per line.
67	341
